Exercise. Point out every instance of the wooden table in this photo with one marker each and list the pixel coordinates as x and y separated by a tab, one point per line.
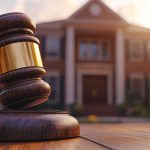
95	137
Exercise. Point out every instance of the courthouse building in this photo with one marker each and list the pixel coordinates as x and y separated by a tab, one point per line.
96	59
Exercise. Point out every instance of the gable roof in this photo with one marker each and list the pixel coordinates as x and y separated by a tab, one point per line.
110	17
106	14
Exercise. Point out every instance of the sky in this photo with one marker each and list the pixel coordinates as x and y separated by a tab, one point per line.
134	11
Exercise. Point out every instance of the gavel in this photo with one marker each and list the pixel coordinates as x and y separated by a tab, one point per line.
21	65
22	87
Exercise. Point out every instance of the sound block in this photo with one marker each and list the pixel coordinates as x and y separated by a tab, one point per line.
37	125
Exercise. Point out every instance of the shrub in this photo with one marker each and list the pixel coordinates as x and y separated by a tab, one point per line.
138	110
76	109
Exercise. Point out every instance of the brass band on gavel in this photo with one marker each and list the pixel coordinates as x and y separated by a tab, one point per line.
19	55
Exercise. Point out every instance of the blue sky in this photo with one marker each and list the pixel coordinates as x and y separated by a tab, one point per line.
135	11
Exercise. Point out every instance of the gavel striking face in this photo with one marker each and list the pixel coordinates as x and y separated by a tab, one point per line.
21	67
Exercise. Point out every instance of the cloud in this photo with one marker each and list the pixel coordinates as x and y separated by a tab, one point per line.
41	10
136	11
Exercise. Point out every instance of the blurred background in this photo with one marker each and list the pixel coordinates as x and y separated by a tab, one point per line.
135	11
96	53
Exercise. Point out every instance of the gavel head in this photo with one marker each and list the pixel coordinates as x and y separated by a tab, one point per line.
21	67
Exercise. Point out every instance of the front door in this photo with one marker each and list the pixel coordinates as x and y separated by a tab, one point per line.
95	89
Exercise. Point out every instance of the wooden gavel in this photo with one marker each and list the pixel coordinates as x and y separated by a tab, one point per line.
21	65
21	70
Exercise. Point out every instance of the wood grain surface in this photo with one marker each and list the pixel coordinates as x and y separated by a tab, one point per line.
119	137
70	144
95	137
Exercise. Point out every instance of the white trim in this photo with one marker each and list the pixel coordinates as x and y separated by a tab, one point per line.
99	22
94	67
57	75
120	68
80	75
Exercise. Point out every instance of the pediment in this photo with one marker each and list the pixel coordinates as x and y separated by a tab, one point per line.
96	10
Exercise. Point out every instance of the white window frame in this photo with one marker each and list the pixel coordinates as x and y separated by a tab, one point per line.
141	77
79	56
57	75
131	49
58	55
99	41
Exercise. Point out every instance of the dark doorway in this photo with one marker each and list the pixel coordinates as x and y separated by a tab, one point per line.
94	89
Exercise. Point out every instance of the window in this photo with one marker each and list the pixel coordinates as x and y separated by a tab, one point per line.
148	85
94	50
83	49
53	46
148	50
105	51
137	86
136	50
54	81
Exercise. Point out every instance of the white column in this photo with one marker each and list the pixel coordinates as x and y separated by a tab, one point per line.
70	66
120	67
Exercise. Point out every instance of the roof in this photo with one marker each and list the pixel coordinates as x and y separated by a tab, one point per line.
105	13
51	24
83	15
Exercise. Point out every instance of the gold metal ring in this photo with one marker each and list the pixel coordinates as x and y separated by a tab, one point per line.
19	55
